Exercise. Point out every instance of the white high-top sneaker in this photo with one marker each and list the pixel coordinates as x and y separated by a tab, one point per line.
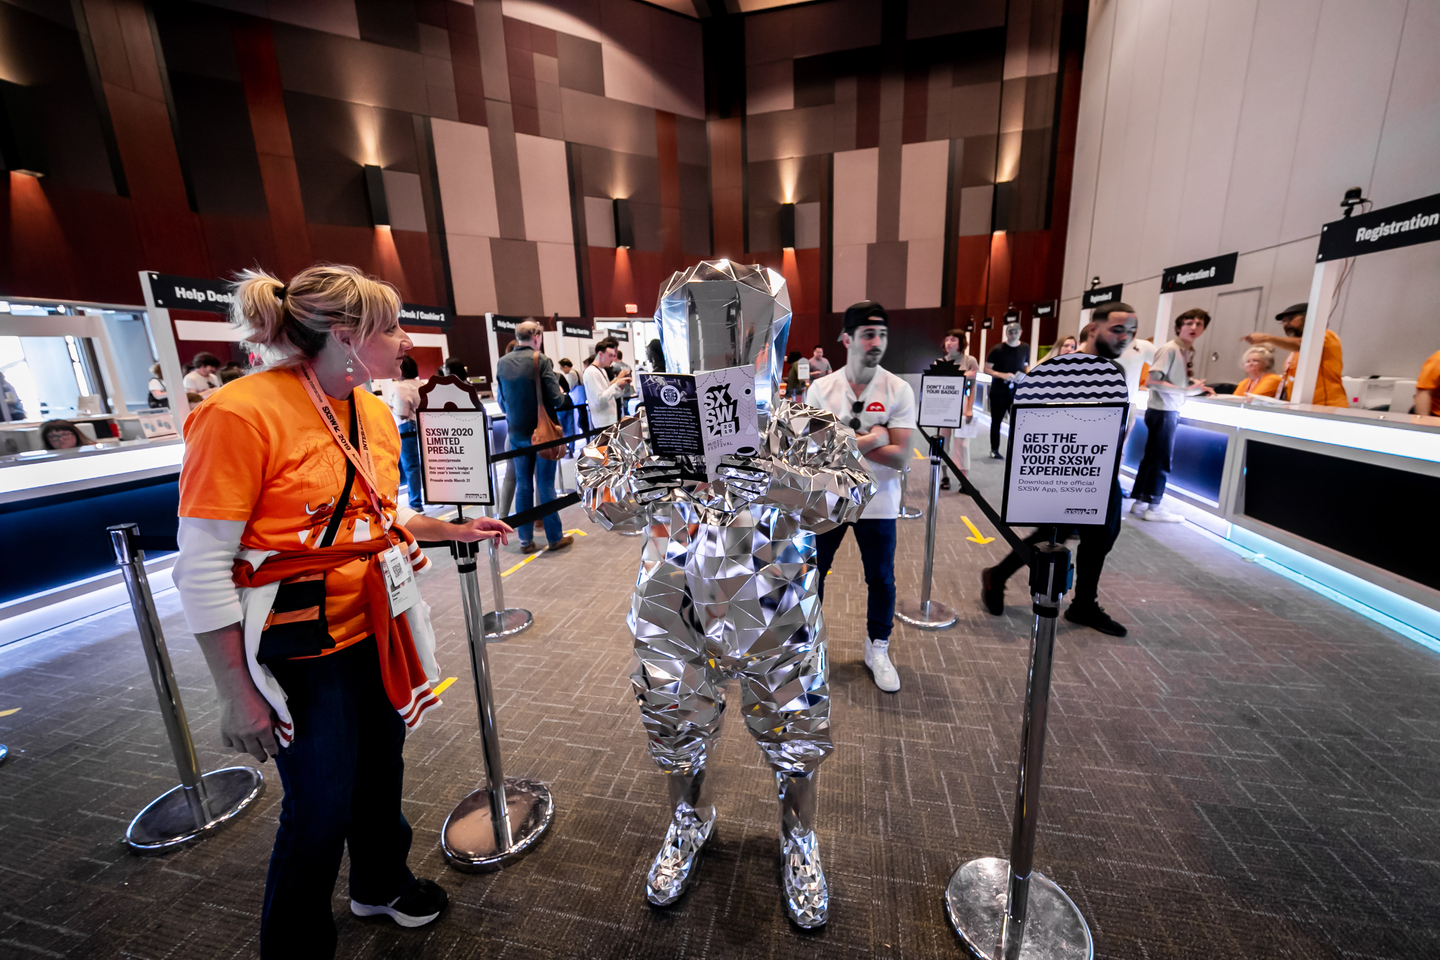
877	660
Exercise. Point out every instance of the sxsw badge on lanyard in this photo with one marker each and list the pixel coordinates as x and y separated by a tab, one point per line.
399	579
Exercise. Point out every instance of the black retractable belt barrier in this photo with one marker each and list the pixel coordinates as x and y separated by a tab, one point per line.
505	819
1008	910
202	803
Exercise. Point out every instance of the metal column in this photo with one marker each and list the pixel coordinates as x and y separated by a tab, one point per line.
202	803
1008	910
502	821
926	613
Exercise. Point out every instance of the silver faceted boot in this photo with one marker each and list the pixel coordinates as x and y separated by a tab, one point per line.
691	827
807	897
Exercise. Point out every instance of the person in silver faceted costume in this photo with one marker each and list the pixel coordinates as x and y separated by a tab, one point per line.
728	585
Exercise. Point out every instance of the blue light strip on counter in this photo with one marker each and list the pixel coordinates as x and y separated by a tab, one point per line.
1411	620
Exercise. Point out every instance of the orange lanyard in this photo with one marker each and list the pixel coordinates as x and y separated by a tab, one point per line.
361	458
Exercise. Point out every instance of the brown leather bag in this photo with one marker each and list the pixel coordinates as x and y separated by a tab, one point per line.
546	429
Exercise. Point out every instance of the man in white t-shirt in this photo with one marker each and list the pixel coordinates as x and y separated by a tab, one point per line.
602	394
880	408
819	366
1169	383
205	377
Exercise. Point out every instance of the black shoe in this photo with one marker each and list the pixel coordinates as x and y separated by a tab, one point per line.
944	483
1094	616
991	596
995	455
422	903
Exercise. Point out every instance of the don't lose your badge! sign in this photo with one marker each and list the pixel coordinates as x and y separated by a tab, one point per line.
454	439
1061	463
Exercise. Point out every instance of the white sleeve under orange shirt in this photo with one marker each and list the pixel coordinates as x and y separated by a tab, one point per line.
257	451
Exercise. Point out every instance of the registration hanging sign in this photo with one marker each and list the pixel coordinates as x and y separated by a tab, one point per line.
1061	463
454	437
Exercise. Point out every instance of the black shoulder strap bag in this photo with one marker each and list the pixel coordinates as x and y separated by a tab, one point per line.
297	626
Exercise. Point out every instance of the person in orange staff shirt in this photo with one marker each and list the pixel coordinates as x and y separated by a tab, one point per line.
1260	378
1329	388
1425	386
296	574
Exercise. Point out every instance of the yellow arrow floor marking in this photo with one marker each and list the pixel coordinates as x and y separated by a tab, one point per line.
6	713
975	536
919	455
576	533
444	685
522	563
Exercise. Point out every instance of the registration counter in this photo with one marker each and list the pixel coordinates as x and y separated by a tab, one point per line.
1350	488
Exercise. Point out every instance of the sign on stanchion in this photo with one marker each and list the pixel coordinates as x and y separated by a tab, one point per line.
506	818
455	469
201	804
1066	428
943	390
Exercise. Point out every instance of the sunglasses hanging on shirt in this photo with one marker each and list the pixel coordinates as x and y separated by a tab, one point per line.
855	408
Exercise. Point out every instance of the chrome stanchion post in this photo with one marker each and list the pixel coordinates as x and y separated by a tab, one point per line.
1009	910
503	621
929	614
501	822
907	512
201	803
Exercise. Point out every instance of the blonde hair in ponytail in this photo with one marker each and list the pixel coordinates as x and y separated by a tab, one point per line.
290	322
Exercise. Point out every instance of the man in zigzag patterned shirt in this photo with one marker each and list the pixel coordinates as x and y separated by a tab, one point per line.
1089	374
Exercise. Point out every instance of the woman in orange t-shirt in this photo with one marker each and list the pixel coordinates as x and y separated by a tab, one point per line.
290	536
1260	377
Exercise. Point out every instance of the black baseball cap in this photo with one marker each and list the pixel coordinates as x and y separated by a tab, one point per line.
866	313
1292	310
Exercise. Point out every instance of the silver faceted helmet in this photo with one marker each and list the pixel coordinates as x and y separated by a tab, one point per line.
720	314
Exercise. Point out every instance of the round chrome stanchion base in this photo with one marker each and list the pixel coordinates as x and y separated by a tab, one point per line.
468	838
168	823
911	513
975	904
926	614
500	624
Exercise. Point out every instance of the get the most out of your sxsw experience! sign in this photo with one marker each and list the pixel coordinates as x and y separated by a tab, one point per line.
1061	462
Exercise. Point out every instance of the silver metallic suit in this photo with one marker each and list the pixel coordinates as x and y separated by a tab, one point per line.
727	585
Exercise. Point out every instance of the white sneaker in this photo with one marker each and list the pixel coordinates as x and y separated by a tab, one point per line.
877	659
1138	508
1156	514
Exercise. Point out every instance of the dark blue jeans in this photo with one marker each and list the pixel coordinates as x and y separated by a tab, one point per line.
1160	427
1095	544
876	540
410	465
342	777
532	471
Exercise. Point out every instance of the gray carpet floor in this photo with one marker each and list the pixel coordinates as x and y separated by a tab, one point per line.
1252	772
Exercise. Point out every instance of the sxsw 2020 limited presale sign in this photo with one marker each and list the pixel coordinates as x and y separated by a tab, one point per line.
1061	463
454	437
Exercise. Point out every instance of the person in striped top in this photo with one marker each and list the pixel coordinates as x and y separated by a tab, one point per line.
1105	338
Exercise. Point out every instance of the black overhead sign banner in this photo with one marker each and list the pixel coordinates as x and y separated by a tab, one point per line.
987	323
1046	309
1012	316
419	315
618	333
1094	298
1201	273
503	324
568	329
187	293
1403	225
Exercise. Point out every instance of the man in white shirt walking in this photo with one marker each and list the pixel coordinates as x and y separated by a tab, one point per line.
602	394
880	408
1169	383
